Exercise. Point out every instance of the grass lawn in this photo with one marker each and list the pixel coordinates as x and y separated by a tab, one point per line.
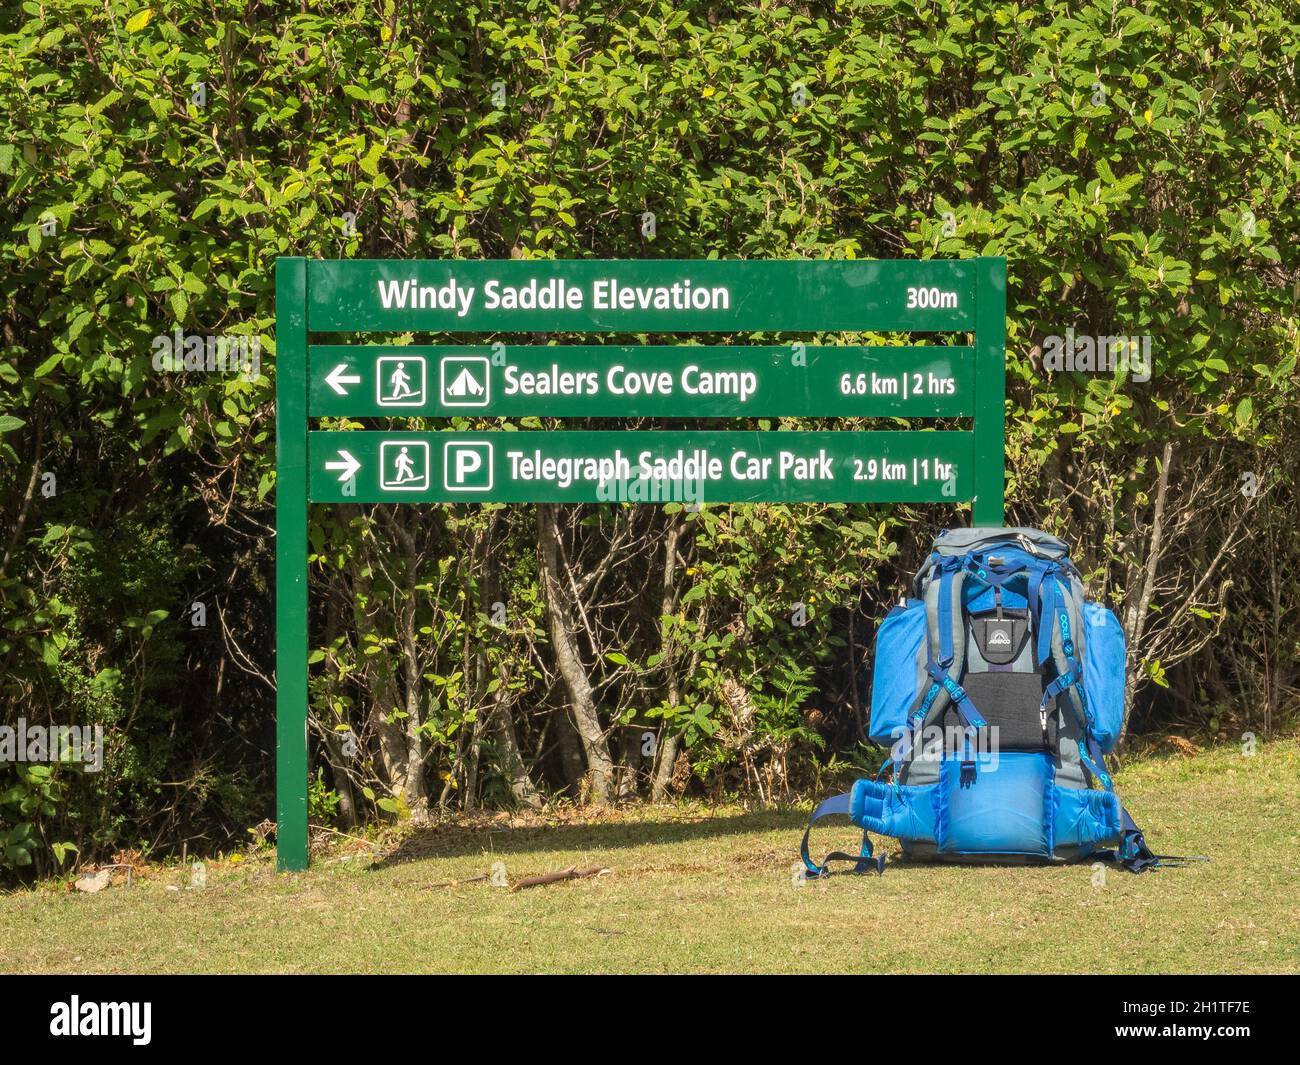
710	890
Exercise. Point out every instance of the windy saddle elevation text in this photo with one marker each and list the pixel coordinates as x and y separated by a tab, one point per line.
958	374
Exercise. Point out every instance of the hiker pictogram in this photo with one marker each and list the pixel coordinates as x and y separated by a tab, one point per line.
404	470
400	381
404	465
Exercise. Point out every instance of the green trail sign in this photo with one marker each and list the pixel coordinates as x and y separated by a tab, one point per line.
963	376
648	296
651	381
645	467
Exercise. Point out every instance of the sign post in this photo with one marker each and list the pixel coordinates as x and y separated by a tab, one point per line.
964	380
291	563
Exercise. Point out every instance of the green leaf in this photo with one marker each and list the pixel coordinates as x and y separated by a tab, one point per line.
139	20
369	164
79	324
49	364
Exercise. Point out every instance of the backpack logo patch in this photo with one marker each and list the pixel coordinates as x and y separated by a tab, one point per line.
1000	639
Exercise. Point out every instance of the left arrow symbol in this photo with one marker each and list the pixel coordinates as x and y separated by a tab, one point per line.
339	376
349	465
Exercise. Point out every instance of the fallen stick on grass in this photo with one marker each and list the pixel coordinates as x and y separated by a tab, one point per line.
457	883
571	873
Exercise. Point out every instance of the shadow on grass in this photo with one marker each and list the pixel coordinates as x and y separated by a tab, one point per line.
459	840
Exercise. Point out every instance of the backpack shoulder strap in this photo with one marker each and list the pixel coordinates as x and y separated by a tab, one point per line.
945	649
946	645
1057	617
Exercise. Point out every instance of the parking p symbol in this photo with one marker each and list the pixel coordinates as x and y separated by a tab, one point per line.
467	466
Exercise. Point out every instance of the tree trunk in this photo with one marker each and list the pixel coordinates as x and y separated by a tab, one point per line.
476	670
377	679
1139	601
414	791
342	781
568	660
413	788
669	742
669	746
569	752
631	761
392	740
509	760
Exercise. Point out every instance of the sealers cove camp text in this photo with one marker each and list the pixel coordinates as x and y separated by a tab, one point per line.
556	293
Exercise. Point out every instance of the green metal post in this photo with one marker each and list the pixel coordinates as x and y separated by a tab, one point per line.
291	563
990	392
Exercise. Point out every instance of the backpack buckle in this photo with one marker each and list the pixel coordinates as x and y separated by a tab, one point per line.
869	864
967	775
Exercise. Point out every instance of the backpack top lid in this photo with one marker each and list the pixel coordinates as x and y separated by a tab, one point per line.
1020	542
1034	541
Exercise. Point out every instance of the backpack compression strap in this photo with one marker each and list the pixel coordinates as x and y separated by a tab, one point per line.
864	862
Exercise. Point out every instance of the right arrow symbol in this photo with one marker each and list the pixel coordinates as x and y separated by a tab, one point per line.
349	465
339	376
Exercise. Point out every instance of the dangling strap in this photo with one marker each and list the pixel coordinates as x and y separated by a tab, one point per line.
1134	854
864	862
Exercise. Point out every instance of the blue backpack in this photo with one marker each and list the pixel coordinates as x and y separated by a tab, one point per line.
999	689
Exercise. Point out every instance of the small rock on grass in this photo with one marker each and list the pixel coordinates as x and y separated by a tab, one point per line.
93	882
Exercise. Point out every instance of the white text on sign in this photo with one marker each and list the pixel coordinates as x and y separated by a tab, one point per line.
623	381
